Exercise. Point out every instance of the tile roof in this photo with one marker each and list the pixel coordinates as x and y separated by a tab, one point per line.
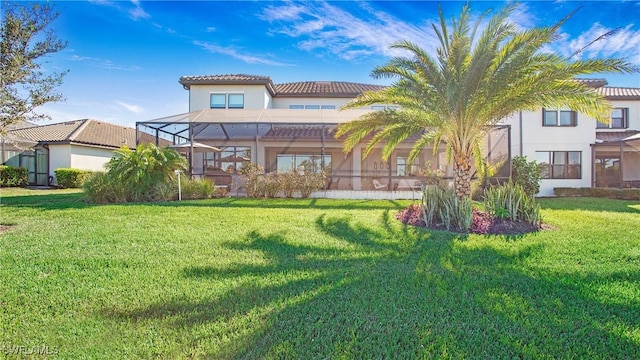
596	83
614	136
619	93
293	89
85	131
187	81
324	89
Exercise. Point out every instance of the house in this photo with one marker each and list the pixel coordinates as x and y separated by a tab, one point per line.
292	125
82	144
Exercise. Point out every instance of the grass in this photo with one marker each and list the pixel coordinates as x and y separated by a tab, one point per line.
242	278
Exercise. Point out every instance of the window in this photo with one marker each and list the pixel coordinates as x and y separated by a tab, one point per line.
236	101
405	169
619	119
382	107
219	101
303	162
312	107
230	159
559	118
560	164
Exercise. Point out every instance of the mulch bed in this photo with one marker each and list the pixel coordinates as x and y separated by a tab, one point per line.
482	223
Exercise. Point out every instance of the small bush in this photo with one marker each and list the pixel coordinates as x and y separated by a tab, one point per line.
11	176
271	185
252	174
196	189
526	174
68	178
611	193
309	182
442	208
288	183
101	189
511	201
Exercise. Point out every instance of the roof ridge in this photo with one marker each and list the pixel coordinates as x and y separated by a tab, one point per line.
79	129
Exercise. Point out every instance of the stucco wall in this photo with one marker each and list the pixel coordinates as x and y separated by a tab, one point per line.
255	96
59	157
89	158
536	137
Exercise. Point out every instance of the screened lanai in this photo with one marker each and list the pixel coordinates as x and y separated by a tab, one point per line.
283	140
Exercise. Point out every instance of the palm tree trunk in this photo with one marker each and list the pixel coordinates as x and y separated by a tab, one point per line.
462	175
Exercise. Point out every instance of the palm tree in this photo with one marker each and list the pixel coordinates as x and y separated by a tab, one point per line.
469	85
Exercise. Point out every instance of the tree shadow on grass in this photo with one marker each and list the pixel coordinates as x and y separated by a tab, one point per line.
395	292
45	202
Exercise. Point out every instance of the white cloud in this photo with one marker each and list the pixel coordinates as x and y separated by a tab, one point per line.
210	29
136	109
103	63
137	12
285	12
234	53
329	28
624	43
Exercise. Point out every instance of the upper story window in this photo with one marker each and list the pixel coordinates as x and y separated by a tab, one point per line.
312	107
559	118
236	101
218	101
619	119
383	107
227	101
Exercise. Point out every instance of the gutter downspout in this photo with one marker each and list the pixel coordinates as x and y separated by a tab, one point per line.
520	131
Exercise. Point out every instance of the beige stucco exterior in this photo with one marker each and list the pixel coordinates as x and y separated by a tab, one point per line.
525	136
78	157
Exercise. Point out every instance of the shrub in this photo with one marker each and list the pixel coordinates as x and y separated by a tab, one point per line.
309	182
271	185
611	193
70	178
252	174
99	188
511	201
143	170
13	176
140	175
442	208
526	174
288	183
195	188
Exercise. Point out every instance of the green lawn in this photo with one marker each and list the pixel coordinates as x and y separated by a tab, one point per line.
241	278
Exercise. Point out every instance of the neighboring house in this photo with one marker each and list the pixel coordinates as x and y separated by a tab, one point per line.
291	126
82	144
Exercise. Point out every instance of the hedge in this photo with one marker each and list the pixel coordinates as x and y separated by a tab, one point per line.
13	176
70	177
611	193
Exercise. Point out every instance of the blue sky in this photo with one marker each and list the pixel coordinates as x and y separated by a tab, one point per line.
125	57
